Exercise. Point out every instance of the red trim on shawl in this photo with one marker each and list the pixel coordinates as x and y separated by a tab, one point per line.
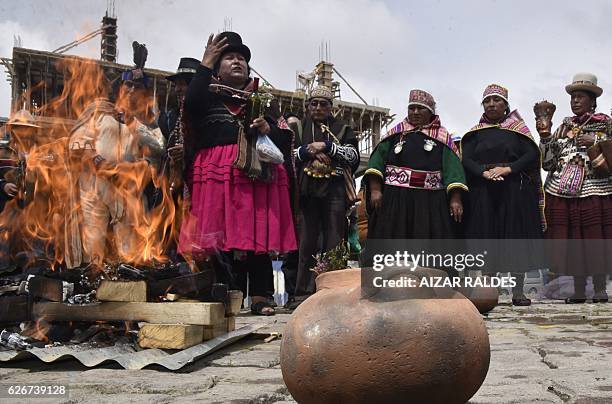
433	130
514	122
591	117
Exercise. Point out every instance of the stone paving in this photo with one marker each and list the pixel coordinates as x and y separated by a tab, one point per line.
546	353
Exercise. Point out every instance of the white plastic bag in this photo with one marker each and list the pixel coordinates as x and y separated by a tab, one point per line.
267	151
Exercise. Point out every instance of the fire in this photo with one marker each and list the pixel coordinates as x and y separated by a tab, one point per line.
89	171
37	330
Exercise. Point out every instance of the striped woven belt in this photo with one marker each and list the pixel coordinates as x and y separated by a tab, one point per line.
409	178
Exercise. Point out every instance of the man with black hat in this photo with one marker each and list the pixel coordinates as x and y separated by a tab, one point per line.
169	120
180	80
240	205
170	123
328	157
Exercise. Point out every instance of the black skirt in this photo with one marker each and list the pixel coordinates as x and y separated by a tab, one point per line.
408	213
503	209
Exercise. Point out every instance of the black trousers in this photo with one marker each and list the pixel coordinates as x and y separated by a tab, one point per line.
256	268
323	225
599	284
518	290
290	270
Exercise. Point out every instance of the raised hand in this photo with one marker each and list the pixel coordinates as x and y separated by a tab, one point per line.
544	112
214	48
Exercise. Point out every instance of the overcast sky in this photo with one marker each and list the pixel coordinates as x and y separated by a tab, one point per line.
450	48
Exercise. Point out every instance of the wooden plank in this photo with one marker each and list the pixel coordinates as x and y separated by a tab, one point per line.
160	313
14	309
170	336
46	288
228	324
194	285
122	291
235	303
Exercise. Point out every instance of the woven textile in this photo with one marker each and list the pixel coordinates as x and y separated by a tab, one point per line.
495	89
422	98
561	150
409	178
434	130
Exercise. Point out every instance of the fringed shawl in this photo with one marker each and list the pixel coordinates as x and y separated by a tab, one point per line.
433	130
514	123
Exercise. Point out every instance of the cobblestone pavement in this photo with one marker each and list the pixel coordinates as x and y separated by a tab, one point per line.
547	353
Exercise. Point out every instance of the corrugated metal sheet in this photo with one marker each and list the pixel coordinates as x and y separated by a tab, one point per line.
126	354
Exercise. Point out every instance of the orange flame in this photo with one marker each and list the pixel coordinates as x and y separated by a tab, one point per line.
63	189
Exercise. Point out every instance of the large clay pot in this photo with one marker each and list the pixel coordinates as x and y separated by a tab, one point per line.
485	298
345	345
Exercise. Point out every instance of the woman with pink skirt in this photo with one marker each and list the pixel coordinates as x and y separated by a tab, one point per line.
240	206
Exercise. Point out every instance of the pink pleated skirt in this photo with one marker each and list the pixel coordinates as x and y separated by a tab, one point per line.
230	211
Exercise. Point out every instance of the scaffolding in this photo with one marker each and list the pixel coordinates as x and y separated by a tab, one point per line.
36	78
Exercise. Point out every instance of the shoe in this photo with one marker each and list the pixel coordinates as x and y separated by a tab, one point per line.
521	301
259	309
575	300
288	303
293	304
600	297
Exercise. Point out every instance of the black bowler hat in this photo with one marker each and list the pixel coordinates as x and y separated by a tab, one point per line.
186	69
235	44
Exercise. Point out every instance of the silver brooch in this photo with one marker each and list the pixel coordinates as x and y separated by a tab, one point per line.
398	147
429	145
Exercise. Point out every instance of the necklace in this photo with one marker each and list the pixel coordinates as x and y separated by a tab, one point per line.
575	131
429	145
400	145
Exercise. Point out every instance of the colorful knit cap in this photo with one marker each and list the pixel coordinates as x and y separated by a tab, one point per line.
422	98
321	92
495	89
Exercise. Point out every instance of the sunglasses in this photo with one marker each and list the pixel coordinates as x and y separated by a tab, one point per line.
320	103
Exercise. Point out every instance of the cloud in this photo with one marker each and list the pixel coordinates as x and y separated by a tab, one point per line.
8	31
384	48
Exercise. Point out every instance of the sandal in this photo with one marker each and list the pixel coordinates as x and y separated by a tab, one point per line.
259	307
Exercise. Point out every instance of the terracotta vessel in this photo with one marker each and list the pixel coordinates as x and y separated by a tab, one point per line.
484	298
346	344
